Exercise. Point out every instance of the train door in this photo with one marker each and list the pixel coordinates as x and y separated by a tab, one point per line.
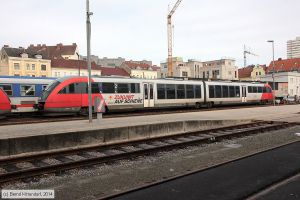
148	95
244	94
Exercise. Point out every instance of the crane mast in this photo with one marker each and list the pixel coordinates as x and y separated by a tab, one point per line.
170	42
245	55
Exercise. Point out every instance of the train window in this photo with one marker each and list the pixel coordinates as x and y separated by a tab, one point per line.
264	89
72	88
145	91
269	90
237	91
27	90
108	88
254	89
225	91
161	91
82	88
95	88
180	92
170	91
190	92
44	87
211	91
259	89
151	91
249	89
231	91
122	88
218	91
134	88
7	89
197	91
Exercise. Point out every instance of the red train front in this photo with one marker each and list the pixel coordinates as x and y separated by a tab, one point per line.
267	95
68	95
5	106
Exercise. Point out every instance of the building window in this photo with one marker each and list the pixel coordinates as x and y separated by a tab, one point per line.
43	67
16	66
184	74
33	67
16	74
27	66
259	73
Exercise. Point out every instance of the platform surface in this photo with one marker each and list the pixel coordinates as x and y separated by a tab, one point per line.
280	113
234	180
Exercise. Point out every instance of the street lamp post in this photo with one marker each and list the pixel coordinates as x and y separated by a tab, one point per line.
273	65
88	37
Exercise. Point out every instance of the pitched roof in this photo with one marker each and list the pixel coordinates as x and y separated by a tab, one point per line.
155	68
292	64
56	51
109	71
245	72
72	64
135	65
16	52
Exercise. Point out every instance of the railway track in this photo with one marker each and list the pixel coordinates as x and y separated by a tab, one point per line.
12	169
35	118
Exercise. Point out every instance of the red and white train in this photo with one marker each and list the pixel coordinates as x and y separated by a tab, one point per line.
69	94
5	106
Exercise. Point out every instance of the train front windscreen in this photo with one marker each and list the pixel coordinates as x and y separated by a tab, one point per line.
48	90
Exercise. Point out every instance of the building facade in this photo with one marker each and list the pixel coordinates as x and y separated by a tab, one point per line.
23	62
180	68
252	73
140	70
285	83
219	69
68	67
195	68
293	48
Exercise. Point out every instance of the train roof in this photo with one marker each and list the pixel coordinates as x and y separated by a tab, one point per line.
27	77
132	79
25	80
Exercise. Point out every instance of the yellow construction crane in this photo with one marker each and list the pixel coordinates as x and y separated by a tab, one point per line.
169	18
245	55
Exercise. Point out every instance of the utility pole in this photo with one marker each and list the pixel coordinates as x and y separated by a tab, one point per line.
88	37
273	65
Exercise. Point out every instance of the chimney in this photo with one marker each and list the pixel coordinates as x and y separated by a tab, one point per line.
74	44
20	47
279	59
39	45
31	45
6	45
44	45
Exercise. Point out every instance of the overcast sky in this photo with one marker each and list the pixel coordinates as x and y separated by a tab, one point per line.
136	29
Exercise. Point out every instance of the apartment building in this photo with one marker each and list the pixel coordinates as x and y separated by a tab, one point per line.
293	48
24	62
140	70
180	68
252	72
68	67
